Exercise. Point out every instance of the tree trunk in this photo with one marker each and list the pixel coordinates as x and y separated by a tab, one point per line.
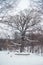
22	48
22	44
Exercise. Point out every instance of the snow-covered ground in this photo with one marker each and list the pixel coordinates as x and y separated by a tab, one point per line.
9	58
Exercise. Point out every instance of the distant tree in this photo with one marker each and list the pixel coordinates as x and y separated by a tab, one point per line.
41	42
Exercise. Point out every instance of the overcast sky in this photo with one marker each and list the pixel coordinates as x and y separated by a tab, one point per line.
11	7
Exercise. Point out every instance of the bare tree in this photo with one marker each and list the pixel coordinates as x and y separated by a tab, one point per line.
24	22
39	5
7	6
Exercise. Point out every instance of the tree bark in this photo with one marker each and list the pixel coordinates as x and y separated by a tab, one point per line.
22	44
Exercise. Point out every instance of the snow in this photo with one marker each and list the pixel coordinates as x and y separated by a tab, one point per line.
9	58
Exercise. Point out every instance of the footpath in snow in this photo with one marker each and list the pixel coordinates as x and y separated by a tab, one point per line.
9	58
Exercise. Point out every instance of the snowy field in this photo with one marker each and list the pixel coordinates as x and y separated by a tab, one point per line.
9	58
